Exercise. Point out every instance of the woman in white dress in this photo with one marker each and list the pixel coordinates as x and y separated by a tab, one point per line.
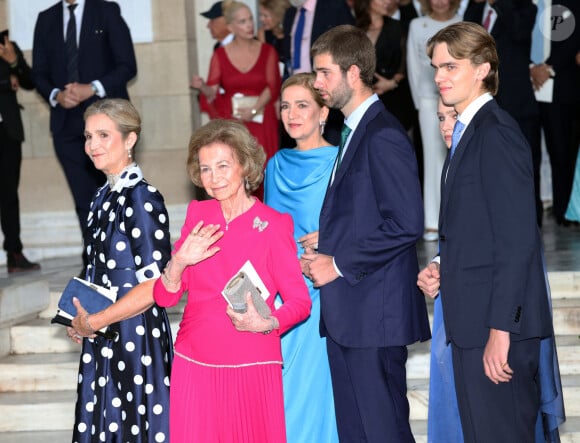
438	14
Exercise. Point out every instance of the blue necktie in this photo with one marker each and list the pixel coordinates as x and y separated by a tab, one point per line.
538	55
71	49
298	38
457	130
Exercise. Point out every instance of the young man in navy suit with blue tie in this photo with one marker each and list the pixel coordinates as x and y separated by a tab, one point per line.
370	221
490	269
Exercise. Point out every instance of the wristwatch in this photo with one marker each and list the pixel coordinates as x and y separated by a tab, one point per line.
94	88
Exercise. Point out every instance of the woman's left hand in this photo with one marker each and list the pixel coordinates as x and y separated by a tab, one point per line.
250	320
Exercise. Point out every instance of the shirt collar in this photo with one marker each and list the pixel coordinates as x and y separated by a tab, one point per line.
468	113
356	116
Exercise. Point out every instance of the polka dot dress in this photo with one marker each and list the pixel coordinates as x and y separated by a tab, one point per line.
123	385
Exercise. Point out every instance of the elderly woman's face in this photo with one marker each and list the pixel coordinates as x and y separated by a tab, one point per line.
105	145
220	171
300	113
447	118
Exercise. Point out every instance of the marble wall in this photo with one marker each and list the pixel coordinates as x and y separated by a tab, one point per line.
160	92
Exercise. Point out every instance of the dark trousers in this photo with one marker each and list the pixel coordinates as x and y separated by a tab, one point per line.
82	177
370	393
530	127
502	413
10	161
556	120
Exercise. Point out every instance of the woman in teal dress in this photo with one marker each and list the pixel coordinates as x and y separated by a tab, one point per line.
295	183
573	210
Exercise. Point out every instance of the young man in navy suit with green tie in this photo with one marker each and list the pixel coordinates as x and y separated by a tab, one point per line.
370	221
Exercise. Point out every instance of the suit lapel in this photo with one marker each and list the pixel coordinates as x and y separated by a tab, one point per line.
86	26
353	146
451	167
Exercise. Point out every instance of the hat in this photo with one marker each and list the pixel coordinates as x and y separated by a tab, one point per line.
214	12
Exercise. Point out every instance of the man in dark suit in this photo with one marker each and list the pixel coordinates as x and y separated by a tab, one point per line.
70	74
557	116
14	73
371	218
318	17
493	287
510	23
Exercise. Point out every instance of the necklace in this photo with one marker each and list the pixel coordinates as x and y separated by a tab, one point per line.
231	218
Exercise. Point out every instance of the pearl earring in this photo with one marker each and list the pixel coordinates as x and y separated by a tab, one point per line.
129	154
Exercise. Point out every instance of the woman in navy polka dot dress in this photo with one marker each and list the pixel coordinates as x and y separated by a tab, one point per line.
123	384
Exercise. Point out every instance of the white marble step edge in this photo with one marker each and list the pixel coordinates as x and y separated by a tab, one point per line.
570	434
57	365
54	410
56	233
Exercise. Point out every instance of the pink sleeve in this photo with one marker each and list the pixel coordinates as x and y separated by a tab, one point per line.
161	295
288	277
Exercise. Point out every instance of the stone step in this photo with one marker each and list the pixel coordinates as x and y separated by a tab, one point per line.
35	437
55	368
37	411
64	237
569	433
418	395
568	348
564	284
54	410
40	336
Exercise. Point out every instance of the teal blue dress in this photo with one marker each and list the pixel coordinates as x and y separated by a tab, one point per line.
296	183
573	211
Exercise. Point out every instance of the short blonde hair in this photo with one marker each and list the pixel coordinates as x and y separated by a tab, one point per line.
121	111
229	9
246	149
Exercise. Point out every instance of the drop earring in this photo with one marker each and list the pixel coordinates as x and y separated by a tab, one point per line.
322	123
129	155
246	184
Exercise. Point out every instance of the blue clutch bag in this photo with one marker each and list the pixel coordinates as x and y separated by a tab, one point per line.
94	298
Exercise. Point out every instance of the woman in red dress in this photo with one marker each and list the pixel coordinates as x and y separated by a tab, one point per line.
244	67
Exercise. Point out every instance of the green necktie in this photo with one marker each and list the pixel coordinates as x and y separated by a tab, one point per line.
344	133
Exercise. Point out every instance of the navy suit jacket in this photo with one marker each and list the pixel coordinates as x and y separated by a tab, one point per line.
512	33
492	274
370	221
327	15
105	54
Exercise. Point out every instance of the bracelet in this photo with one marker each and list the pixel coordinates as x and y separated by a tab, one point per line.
273	325
166	279
88	325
